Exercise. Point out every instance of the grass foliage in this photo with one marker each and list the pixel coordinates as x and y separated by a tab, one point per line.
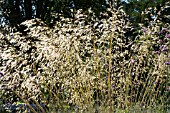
86	64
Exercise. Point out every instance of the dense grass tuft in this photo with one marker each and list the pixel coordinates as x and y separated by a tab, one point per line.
86	65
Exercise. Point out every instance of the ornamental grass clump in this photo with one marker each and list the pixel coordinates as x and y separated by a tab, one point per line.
85	64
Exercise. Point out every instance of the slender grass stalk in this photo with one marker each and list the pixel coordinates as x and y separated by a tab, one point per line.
43	111
39	106
26	102
52	93
109	75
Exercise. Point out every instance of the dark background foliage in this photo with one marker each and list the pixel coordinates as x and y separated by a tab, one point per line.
134	9
16	11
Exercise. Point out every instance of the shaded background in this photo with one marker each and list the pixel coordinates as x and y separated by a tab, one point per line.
13	12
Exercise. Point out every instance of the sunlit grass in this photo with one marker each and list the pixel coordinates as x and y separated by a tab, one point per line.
87	68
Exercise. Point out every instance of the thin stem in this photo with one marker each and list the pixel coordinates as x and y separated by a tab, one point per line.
32	109
109	75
